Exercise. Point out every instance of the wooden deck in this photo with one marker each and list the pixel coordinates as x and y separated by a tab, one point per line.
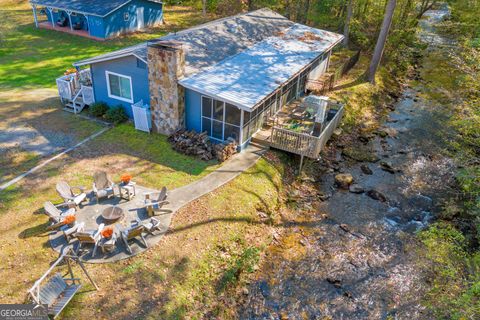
305	144
82	33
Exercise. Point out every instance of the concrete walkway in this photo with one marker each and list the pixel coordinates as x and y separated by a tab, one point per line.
91	213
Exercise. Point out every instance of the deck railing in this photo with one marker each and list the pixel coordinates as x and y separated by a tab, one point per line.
70	84
304	144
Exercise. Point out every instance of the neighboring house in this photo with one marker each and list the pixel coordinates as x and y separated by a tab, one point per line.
97	19
224	77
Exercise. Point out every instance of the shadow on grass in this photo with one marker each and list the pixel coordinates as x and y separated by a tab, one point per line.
360	79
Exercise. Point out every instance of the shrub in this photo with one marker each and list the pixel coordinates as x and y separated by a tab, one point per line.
116	115
98	109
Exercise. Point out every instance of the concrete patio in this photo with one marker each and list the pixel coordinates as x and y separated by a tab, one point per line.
90	213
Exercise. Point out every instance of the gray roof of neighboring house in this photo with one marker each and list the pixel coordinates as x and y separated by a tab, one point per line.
247	78
210	43
93	7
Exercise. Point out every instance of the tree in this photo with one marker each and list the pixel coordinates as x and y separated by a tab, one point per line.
346	26
204	8
382	39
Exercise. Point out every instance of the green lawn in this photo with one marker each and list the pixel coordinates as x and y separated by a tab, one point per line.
31	57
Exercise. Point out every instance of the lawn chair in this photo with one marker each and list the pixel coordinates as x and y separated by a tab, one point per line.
103	187
154	201
71	198
152	225
56	216
89	238
132	233
69	233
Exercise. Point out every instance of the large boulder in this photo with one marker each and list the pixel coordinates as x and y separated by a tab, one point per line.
343	180
360	153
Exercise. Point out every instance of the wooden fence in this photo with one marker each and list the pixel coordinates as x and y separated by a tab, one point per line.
328	80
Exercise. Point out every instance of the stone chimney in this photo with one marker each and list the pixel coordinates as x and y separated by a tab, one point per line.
166	64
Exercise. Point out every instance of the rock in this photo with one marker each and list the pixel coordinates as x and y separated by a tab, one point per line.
382	134
337	283
344	227
337	132
364	138
376	195
343	180
245	291
324	197
262	215
387	166
365	169
360	153
356	188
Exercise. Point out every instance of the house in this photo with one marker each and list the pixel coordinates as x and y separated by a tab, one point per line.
94	19
224	77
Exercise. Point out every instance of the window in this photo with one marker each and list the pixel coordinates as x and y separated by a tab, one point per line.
220	120
119	86
126	16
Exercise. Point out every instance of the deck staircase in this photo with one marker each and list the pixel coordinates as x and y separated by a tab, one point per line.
76	104
76	91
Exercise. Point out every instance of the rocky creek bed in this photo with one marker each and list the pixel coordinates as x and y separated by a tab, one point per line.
356	256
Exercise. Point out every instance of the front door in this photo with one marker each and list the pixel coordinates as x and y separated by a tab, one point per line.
140	18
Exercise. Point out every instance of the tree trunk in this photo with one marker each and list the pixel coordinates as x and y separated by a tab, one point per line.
382	39
204	8
346	26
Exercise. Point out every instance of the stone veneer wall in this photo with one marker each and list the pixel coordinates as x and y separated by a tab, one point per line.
166	64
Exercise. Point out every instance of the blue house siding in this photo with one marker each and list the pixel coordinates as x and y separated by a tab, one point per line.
115	23
125	66
97	27
193	110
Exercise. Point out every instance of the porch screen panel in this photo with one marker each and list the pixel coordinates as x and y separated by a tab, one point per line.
220	120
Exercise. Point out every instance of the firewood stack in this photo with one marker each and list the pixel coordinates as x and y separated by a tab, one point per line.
199	145
224	151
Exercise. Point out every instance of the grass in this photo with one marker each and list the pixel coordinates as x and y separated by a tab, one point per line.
212	245
31	57
363	101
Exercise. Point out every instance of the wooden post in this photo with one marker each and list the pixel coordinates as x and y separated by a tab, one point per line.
50	9
69	13
88	24
34	8
301	163
86	273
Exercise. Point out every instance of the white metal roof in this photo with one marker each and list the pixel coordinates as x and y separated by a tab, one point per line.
212	42
248	77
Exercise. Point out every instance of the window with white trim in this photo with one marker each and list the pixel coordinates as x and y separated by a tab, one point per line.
220	120
119	86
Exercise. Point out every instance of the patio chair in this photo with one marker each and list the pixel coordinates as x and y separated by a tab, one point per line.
154	201
131	234
152	225
69	233
89	238
78	25
62	21
55	215
103	187
71	198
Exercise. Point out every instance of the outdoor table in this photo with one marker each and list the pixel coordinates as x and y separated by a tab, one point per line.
127	190
108	245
